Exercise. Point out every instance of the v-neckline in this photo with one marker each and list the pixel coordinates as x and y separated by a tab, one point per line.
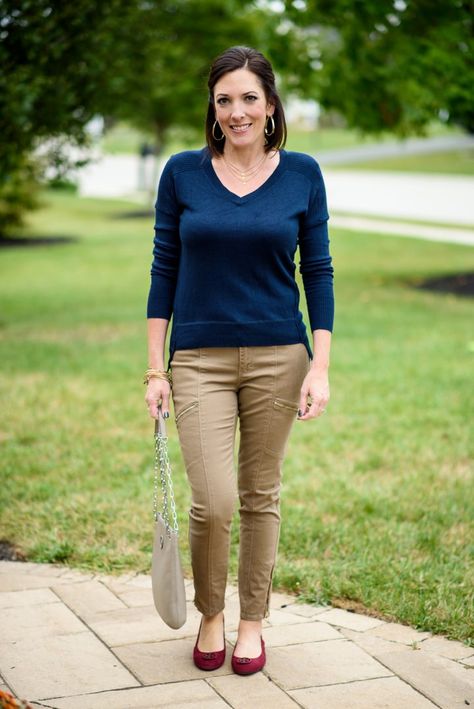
222	189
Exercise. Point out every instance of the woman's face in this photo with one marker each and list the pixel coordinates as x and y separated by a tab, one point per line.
241	108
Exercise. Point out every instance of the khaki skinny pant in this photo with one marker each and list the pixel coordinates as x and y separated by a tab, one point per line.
213	387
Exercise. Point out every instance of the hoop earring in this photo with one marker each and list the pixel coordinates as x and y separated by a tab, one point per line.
214	132
266	126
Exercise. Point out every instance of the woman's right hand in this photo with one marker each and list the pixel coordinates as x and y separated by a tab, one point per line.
158	392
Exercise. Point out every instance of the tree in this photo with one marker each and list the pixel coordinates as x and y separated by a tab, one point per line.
55	58
142	60
389	64
166	50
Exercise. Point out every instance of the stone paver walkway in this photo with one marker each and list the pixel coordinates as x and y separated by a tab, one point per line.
76	640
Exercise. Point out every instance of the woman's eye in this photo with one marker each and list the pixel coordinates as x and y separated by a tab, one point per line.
221	101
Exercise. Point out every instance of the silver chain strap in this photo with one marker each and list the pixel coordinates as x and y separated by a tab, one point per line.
163	472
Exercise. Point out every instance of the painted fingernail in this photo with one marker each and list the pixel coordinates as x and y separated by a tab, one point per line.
166	415
300	413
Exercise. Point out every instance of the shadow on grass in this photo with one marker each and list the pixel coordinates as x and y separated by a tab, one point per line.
135	214
7	242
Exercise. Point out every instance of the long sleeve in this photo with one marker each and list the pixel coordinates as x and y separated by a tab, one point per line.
166	249
223	268
315	260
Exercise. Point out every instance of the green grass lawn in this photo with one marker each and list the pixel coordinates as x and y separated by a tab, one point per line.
453	162
377	504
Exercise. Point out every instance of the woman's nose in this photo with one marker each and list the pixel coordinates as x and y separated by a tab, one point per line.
237	111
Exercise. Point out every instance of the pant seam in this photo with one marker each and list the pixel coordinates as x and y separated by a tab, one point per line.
209	493
267	597
259	467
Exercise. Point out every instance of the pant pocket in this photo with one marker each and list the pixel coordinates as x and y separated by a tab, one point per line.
185	410
279	403
282	416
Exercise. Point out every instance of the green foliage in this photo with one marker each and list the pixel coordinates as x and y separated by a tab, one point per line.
389	65
63	63
18	194
55	60
165	50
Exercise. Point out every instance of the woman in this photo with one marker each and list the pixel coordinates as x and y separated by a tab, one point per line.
229	218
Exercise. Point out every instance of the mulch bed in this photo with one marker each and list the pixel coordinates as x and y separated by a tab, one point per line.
9	552
456	283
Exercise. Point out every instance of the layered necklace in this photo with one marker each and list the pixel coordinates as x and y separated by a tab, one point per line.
245	175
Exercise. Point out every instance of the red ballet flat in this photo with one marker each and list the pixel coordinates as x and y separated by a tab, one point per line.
208	660
249	665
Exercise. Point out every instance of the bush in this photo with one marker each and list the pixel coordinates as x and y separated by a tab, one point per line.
18	194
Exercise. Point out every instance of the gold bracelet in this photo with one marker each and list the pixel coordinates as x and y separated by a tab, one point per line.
147	378
158	374
152	370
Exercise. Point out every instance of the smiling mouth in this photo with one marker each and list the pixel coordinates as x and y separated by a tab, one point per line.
242	128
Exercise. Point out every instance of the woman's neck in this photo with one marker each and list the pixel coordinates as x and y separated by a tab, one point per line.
244	157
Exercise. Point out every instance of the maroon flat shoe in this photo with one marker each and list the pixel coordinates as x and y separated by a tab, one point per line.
208	660
249	665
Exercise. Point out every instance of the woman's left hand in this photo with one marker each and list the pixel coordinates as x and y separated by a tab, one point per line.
314	394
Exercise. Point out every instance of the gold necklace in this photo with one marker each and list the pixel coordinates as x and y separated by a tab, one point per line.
250	169
245	175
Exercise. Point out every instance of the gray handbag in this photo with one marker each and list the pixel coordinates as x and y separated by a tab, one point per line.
167	578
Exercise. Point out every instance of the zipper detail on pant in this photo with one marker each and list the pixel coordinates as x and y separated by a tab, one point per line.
285	405
185	410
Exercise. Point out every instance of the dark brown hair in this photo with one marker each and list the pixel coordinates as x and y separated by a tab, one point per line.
245	58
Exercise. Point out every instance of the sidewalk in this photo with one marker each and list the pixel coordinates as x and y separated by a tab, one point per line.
76	640
420	231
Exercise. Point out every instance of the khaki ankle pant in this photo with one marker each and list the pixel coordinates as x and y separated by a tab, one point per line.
212	388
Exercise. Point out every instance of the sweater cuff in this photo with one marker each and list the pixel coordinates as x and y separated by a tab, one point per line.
321	316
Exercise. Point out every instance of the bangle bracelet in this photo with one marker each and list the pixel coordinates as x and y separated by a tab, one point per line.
158	374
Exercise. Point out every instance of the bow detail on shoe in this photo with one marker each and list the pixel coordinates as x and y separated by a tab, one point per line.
249	665
209	660
208	655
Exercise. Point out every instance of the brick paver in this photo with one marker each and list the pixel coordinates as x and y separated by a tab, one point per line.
83	640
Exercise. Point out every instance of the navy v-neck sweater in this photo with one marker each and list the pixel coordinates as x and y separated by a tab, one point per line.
223	266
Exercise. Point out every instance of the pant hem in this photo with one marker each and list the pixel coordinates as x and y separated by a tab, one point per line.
205	611
252	616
